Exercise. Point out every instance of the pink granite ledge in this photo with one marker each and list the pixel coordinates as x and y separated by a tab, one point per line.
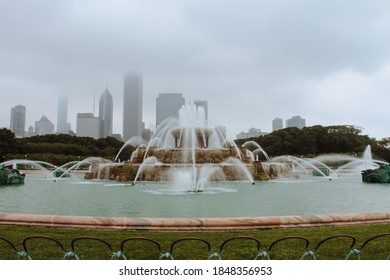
194	224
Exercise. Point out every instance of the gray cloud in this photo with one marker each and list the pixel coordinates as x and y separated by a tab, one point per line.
327	61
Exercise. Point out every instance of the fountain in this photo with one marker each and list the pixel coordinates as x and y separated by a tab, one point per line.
26	164
187	151
375	172
194	159
10	176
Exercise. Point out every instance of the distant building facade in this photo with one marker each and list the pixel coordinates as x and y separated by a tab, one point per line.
252	133
277	124
62	115
296	121
30	131
18	120
168	105
88	125
106	111
44	126
132	106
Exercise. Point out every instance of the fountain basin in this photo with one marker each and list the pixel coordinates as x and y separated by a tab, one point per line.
308	195
199	224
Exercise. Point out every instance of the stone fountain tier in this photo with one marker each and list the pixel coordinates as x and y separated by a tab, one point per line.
183	156
182	137
127	171
160	164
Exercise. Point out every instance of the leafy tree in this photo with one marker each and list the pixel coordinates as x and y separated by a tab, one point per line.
7	143
382	149
61	148
314	140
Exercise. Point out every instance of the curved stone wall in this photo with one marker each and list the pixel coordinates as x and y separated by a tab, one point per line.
195	224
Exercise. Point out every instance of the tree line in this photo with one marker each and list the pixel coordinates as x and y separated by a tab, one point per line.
59	148
317	140
306	142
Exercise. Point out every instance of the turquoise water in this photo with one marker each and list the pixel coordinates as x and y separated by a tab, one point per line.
303	196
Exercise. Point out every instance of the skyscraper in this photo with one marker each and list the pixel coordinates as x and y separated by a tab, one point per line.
18	120
132	106
106	114
62	115
277	124
296	121
168	105
88	125
44	126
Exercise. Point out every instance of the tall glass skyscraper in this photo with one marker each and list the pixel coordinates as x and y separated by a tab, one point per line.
132	106
18	120
62	115
106	109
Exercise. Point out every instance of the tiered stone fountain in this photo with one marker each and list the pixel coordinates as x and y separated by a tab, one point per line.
185	149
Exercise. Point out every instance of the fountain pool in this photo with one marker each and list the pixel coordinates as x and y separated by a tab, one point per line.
190	174
307	195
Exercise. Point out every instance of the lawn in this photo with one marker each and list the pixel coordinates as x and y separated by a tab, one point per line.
52	243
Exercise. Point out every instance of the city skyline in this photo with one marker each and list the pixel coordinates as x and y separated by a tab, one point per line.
256	60
100	126
62	114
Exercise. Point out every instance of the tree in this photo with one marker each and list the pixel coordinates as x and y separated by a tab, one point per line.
314	140
7	143
382	149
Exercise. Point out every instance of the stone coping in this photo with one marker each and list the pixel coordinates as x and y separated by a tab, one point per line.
194	224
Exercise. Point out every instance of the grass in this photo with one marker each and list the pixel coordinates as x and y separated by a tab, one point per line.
197	247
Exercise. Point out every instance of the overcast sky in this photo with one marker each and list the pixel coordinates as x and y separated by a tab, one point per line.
327	61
